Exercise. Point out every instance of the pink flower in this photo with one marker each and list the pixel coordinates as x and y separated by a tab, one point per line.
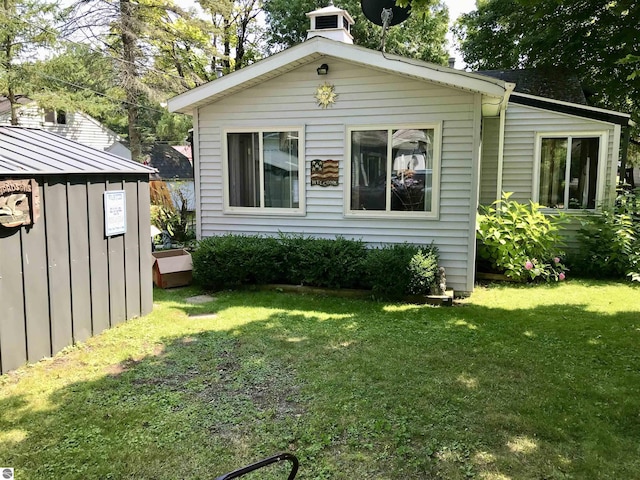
528	265
561	276
556	260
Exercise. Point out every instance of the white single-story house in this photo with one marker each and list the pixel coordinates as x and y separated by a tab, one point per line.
417	146
76	126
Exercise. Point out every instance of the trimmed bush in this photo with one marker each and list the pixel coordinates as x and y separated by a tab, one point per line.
230	261
519	241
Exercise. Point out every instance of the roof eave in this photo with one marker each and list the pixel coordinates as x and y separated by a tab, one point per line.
317	47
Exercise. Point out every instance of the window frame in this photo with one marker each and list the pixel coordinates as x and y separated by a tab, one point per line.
603	148
262	210
434	213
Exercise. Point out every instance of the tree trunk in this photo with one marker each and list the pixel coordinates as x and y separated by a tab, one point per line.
130	76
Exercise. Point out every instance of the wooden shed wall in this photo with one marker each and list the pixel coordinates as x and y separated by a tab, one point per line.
366	97
62	280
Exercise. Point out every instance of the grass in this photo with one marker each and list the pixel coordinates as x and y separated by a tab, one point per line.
516	382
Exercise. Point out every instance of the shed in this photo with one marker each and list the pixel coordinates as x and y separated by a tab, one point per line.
75	253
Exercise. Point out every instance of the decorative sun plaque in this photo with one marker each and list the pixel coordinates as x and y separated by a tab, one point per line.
326	95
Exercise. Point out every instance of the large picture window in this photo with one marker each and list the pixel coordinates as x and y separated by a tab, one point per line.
394	170
263	171
569	172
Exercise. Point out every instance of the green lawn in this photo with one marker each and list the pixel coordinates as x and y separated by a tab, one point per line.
513	383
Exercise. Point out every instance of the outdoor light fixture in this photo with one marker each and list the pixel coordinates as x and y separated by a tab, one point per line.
323	69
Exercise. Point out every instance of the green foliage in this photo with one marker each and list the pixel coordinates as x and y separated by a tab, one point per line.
392	271
595	40
610	240
230	261
519	241
421	36
174	222
322	262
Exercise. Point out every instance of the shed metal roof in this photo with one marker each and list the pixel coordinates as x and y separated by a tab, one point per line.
35	152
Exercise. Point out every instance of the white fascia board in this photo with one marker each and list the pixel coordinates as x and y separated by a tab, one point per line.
318	46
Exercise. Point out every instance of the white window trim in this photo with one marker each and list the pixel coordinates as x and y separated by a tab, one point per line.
302	177
603	135
435	174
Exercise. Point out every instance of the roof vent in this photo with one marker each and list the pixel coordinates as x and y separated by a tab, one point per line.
331	22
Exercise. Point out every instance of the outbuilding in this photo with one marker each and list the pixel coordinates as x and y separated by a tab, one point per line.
75	247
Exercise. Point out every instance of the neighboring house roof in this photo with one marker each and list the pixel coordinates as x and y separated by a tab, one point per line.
184	150
548	83
492	89
5	104
555	90
170	163
35	152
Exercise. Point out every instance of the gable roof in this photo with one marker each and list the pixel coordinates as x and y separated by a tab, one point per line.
555	84
319	47
170	163
32	151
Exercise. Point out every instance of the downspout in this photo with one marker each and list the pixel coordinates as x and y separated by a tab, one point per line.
503	114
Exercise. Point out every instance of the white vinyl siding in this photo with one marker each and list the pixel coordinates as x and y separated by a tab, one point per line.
523	128
365	97
78	127
523	123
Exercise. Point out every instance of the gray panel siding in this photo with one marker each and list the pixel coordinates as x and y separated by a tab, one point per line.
144	235
132	251
115	267
79	256
13	350
58	280
36	292
365	97
55	201
98	257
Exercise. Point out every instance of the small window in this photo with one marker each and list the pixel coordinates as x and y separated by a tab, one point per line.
263	171
569	172
394	171
55	116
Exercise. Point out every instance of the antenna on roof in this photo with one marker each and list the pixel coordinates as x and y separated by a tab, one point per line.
384	13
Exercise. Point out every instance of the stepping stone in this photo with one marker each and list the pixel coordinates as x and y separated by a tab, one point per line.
198	299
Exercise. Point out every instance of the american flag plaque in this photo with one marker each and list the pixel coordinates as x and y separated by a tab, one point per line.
325	173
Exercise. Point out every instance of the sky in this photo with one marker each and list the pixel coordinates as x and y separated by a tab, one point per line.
456	8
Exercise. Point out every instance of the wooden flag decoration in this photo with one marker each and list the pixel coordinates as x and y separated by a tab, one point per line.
325	173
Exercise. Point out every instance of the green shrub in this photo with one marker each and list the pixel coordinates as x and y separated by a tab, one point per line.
520	241
229	261
393	271
610	241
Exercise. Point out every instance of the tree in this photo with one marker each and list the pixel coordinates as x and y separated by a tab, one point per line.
236	31
597	40
25	26
422	36
131	33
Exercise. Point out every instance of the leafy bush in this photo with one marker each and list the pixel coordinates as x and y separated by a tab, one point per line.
322	262
230	261
520	241
610	241
399	269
